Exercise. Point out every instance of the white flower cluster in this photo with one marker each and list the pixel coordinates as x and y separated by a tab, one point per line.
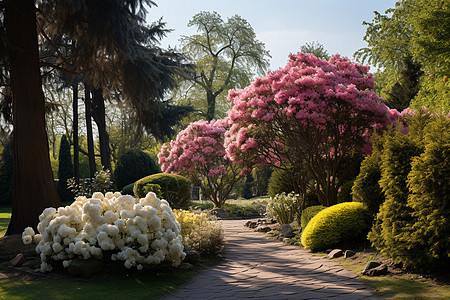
138	232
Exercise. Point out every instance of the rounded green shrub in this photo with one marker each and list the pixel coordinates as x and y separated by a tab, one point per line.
175	189
128	189
132	166
152	187
341	223
308	213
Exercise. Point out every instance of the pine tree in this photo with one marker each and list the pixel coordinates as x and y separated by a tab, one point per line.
65	170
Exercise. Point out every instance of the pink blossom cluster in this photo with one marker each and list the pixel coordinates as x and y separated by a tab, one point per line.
197	152
328	104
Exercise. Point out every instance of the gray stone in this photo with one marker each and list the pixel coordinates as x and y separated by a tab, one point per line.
349	253
378	271
288	241
264	229
85	267
287	231
335	253
251	224
191	256
186	266
370	265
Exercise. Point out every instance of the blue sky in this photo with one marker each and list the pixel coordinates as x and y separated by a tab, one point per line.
282	25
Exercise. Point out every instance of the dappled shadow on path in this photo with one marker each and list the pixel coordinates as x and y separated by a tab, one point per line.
257	267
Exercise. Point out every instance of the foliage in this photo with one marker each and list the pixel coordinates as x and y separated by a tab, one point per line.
434	93
198	154
128	189
341	223
65	170
100	183
225	55
284	207
261	175
308	213
315	48
142	232
345	193
411	226
313	113
247	190
199	233
176	189
280	182
6	173
366	188
152	187
132	166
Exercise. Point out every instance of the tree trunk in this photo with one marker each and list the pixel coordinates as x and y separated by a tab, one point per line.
76	146
89	134
33	189
98	113
211	101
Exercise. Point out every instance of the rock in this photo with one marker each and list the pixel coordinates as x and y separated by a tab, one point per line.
85	267
288	241
335	253
378	271
349	253
328	251
287	231
263	229
370	265
191	256
18	260
251	224
219	212
186	266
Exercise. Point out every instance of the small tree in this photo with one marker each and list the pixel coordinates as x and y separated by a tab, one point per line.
65	170
198	154
314	113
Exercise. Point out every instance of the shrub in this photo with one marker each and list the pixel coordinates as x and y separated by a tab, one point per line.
366	188
6	173
102	181
394	217
428	237
176	189
284	207
308	213
199	233
261	175
133	166
152	187
128	189
280	182
248	187
341	223
65	170
138	232
345	192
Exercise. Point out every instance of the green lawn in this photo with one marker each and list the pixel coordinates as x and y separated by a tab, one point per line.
151	286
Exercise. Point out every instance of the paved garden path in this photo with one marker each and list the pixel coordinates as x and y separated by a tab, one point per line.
261	268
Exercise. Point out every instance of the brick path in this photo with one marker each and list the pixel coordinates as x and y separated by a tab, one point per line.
261	268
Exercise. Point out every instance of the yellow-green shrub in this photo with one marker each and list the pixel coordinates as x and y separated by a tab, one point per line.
341	223
199	233
309	213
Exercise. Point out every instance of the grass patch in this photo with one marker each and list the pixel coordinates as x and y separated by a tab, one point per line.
395	286
152	286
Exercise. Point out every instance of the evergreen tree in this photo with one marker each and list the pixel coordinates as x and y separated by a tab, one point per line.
65	170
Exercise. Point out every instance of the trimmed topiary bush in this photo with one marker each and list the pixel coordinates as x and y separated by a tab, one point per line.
341	223
308	213
65	171
176	189
133	166
152	187
128	189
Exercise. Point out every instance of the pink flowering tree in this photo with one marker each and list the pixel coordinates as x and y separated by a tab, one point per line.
198	153
312	116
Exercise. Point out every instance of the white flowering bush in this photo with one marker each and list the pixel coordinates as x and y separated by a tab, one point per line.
284	207
137	232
